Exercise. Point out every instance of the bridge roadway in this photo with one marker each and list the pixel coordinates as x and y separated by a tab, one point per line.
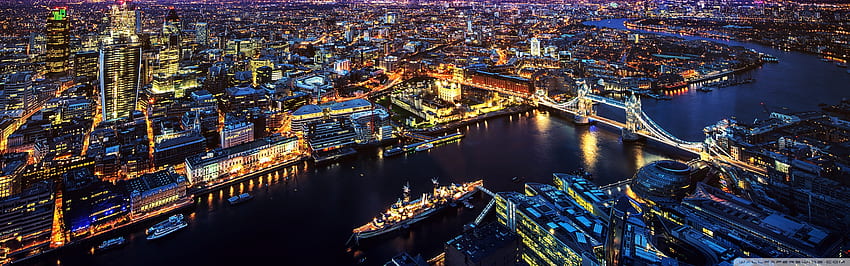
620	125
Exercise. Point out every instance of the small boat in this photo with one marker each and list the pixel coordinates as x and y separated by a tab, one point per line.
824	59
424	147
705	89
174	223
394	151
240	198
841	65
111	243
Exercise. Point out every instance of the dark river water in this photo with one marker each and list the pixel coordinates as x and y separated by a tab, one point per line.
307	219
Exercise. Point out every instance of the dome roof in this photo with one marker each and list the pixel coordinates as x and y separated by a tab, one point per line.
662	181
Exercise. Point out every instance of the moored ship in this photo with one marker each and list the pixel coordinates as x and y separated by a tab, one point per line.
174	223
405	212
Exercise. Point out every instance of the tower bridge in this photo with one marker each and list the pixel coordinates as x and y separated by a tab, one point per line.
638	124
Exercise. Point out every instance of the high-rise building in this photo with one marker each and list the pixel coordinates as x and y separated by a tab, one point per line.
342	67
85	64
167	63
120	78
202	33
123	23
120	63
535	47
391	18
11	166
171	28
58	38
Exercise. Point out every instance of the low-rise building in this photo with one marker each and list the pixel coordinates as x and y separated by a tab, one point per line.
235	132
552	229
26	218
490	244
756	229
89	202
149	192
310	114
219	164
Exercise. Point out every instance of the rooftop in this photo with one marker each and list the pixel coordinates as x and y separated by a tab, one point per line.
482	241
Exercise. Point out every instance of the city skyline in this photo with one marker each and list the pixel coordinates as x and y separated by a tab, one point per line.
424	132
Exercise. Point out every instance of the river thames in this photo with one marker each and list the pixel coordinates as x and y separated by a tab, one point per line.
307	219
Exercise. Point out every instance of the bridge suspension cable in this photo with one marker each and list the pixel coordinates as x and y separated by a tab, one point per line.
661	133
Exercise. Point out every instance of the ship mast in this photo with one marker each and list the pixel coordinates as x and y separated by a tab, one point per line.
406	190
436	186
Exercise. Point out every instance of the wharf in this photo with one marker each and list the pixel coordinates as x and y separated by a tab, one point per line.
433	141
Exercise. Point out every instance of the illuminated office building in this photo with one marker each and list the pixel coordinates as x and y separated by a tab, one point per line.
58	38
236	131
535	47
16	89
552	229
120	78
85	64
26	218
120	63
123	21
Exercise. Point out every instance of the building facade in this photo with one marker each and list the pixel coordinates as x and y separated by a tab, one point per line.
150	192
120	78
219	164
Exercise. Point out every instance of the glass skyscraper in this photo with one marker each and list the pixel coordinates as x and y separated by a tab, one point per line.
120	77
58	37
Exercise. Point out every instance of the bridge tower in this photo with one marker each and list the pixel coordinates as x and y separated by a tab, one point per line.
633	119
584	105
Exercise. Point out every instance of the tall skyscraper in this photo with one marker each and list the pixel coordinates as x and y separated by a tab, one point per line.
168	57
535	47
58	37
120	78
123	23
202	33
171	29
120	64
